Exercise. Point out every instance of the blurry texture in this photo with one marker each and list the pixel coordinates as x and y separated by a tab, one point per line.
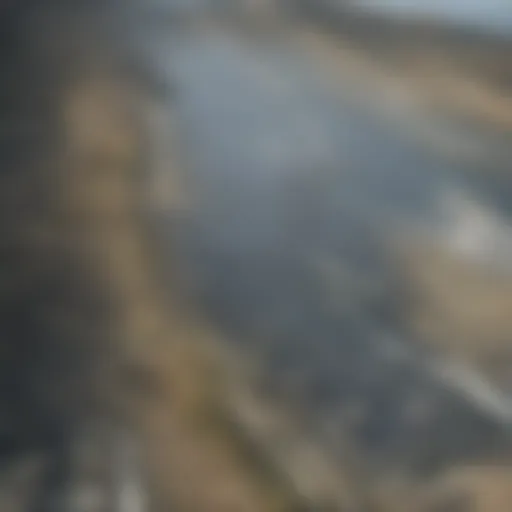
256	255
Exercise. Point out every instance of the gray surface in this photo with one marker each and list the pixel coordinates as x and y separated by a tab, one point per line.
299	192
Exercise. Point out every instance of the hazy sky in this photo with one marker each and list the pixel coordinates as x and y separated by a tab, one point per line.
495	13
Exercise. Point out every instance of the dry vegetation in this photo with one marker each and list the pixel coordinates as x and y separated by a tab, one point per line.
459	73
462	308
